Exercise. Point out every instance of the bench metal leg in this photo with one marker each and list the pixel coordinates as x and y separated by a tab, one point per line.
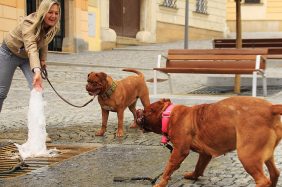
254	87
264	85
170	84
155	82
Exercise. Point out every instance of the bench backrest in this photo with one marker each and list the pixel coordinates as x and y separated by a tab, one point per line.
215	58
250	40
274	44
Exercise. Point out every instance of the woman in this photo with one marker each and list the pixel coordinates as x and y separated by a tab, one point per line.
26	47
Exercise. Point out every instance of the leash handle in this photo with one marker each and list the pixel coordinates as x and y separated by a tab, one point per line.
44	75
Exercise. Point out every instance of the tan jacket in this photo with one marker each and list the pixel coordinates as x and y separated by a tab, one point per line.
22	42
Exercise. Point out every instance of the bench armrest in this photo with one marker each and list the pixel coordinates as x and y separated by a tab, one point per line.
264	57
258	62
160	60
164	57
259	59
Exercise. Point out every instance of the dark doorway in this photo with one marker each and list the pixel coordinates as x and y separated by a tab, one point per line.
30	6
57	43
125	17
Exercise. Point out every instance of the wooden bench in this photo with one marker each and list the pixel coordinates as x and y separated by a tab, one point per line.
214	61
274	45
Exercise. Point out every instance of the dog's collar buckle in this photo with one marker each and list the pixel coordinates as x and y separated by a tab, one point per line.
109	91
165	120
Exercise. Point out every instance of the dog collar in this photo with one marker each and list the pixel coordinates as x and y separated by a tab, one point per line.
165	120
109	91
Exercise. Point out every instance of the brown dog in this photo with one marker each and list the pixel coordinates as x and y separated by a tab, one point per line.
248	124
116	96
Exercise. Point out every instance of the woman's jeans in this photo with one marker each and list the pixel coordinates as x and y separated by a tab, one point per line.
8	65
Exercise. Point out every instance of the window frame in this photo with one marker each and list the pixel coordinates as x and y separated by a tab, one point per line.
253	1
201	6
169	3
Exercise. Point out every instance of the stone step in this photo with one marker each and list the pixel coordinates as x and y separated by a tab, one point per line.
126	41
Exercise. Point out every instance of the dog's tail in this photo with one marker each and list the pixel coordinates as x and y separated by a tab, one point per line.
134	71
276	109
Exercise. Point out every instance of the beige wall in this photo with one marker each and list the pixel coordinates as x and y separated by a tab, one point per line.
203	34
263	17
77	26
274	10
165	30
11	11
214	20
94	41
81	25
171	21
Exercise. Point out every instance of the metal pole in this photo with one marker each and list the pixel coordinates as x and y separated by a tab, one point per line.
237	86
238	25
186	34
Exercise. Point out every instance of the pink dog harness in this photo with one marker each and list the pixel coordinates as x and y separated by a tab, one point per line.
165	120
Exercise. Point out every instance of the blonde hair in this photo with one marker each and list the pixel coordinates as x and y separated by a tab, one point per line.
37	26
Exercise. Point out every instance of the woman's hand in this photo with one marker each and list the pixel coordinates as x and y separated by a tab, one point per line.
37	81
43	64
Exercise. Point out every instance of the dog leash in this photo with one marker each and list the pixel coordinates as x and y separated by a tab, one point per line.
123	179
152	180
44	75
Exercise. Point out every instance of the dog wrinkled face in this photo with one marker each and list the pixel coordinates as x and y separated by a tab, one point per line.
96	83
150	119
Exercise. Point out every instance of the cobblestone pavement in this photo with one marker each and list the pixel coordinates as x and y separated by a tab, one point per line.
136	154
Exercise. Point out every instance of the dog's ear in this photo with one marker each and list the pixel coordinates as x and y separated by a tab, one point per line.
88	74
165	100
102	75
166	104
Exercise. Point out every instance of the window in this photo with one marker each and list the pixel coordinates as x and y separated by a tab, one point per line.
202	6
252	1
169	3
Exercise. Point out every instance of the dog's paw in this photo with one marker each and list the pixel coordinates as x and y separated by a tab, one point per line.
133	125
119	133
190	176
157	185
162	183
101	132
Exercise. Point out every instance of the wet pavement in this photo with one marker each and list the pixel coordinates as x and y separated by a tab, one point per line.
134	155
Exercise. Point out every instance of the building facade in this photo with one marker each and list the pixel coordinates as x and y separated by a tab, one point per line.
11	12
93	25
206	20
155	21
